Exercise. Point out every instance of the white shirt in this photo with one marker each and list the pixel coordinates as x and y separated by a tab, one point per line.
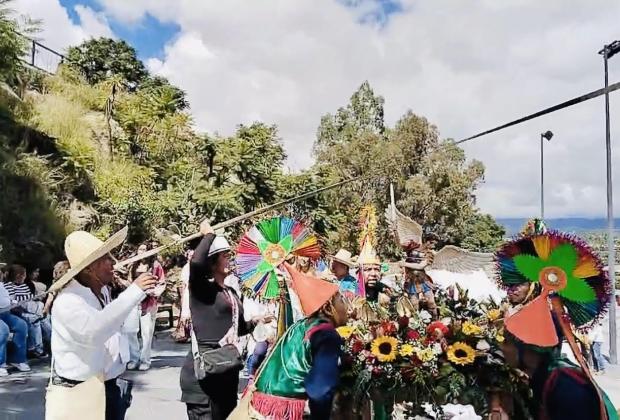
185	296
232	281
252	308
596	334
86	338
5	299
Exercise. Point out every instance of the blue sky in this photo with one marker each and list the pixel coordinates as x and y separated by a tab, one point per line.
148	37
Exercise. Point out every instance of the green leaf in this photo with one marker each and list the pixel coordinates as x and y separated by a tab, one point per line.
529	266
565	257
577	290
287	243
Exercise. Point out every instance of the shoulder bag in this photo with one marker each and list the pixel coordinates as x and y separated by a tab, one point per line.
220	360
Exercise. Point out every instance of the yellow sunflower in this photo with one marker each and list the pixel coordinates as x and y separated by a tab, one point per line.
460	353
499	337
385	348
493	314
345	331
406	350
470	328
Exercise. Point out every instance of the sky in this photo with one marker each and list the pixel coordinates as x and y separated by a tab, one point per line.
466	66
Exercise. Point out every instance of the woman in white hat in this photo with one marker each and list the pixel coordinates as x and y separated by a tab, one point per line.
217	322
87	344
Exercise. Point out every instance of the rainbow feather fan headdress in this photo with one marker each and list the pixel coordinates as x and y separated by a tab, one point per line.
571	278
265	247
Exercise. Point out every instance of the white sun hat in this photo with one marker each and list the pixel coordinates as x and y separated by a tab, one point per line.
219	244
82	249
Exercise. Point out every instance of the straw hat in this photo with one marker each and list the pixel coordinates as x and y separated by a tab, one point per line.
82	249
312	292
344	257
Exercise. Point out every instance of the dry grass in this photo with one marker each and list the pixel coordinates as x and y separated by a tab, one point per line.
64	120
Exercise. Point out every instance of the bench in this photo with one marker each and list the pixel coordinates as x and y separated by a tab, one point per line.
167	308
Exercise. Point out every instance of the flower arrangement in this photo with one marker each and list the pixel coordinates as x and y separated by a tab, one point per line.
452	360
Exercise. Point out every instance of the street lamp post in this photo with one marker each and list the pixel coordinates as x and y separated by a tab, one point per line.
546	135
607	52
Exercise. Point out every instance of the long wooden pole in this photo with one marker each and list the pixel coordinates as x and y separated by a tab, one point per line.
234	220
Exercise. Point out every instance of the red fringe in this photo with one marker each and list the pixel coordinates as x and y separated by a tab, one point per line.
281	408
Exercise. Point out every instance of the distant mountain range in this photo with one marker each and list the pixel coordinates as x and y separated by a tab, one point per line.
568	224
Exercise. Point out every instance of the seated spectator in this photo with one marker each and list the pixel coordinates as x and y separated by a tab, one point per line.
35	280
10	323
30	310
60	269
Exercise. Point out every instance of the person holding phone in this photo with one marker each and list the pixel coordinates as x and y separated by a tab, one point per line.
87	344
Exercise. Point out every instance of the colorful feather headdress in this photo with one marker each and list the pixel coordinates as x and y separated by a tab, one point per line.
573	284
265	247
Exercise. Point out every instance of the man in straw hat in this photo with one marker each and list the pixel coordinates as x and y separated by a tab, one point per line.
340	266
304	362
89	351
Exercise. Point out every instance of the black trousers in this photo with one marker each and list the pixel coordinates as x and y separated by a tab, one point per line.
221	391
115	405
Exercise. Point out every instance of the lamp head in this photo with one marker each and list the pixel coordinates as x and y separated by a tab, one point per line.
548	135
611	49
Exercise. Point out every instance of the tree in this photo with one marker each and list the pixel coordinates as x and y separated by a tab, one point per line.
364	114
13	47
434	184
170	97
483	234
101	58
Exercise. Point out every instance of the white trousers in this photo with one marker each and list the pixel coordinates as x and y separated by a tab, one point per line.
147	329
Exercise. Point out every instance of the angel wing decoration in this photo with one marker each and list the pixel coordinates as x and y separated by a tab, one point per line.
457	260
407	231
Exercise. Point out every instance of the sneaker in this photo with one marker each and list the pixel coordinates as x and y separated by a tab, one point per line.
22	367
37	354
3	372
132	366
144	366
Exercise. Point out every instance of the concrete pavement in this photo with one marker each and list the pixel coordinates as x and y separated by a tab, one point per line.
156	392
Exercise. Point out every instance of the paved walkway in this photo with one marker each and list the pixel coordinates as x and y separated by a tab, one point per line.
156	392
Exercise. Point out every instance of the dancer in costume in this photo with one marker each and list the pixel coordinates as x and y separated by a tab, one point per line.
571	291
421	260
370	267
418	284
304	364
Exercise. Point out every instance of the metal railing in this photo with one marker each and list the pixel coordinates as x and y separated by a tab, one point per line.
41	57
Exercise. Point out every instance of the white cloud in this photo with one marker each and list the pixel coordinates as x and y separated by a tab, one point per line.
57	30
93	23
467	66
